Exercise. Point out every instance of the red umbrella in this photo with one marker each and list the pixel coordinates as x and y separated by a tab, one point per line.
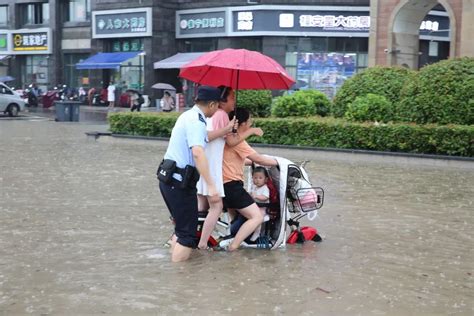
239	69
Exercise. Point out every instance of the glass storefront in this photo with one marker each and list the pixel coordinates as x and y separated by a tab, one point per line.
34	69
325	63
75	77
131	73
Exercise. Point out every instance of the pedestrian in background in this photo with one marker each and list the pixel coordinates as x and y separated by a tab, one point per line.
111	95
183	163
136	101
168	102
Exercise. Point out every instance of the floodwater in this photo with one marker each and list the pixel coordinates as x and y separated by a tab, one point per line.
82	228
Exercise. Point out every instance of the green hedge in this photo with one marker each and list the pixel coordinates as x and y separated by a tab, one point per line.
384	81
371	107
301	103
441	93
143	124
258	102
456	140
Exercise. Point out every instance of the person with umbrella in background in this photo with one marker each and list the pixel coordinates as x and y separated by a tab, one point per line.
168	103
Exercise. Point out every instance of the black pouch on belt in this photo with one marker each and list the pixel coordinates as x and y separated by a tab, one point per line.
165	170
190	177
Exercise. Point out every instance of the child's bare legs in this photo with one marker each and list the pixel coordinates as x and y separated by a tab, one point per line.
256	233
212	217
254	219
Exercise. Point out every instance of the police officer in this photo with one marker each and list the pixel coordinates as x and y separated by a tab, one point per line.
186	151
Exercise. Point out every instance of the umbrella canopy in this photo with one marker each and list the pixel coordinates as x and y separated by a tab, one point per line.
239	69
163	86
6	78
131	91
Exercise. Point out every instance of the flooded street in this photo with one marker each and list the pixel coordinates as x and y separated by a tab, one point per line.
82	228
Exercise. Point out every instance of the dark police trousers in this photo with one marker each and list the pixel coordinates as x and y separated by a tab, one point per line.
182	204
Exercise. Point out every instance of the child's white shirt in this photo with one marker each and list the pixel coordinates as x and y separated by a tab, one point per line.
263	190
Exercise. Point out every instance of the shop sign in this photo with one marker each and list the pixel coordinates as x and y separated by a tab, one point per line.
31	41
3	43
134	45
281	20
339	22
205	23
277	21
122	23
435	25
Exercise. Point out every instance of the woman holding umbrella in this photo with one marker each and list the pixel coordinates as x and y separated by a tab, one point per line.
168	102
214	151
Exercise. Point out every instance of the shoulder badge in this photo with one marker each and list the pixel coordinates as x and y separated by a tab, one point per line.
201	118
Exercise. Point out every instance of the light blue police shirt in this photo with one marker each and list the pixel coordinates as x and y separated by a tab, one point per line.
189	130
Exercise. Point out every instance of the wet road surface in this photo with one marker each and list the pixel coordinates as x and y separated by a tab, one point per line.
82	227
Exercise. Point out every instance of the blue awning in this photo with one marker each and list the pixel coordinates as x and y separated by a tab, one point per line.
106	60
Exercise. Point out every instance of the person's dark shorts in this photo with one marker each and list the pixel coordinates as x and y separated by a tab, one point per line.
182	204
236	196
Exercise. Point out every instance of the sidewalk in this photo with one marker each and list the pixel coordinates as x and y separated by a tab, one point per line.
88	113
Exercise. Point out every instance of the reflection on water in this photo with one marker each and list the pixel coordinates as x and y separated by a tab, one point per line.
83	224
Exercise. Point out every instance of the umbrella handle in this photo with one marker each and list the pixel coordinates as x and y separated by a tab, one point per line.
234	129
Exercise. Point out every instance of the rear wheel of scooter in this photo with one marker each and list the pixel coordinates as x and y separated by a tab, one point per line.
13	110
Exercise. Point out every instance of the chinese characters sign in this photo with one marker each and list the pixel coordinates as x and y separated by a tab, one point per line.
245	21
121	23
31	42
276	21
132	45
335	21
200	23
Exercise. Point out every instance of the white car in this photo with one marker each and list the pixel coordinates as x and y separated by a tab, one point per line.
10	101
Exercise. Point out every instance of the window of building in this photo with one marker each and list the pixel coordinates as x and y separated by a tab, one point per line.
131	73
3	15
324	63
200	45
78	10
73	77
34	69
35	13
252	43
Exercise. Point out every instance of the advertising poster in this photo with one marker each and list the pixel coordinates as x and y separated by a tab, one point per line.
324	71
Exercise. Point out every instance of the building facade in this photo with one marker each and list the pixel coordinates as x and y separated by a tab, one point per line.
92	42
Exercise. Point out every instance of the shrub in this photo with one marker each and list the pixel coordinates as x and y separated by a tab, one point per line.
301	103
325	132
143	124
371	107
258	102
442	93
383	81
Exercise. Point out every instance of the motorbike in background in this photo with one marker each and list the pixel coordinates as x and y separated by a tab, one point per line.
50	97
